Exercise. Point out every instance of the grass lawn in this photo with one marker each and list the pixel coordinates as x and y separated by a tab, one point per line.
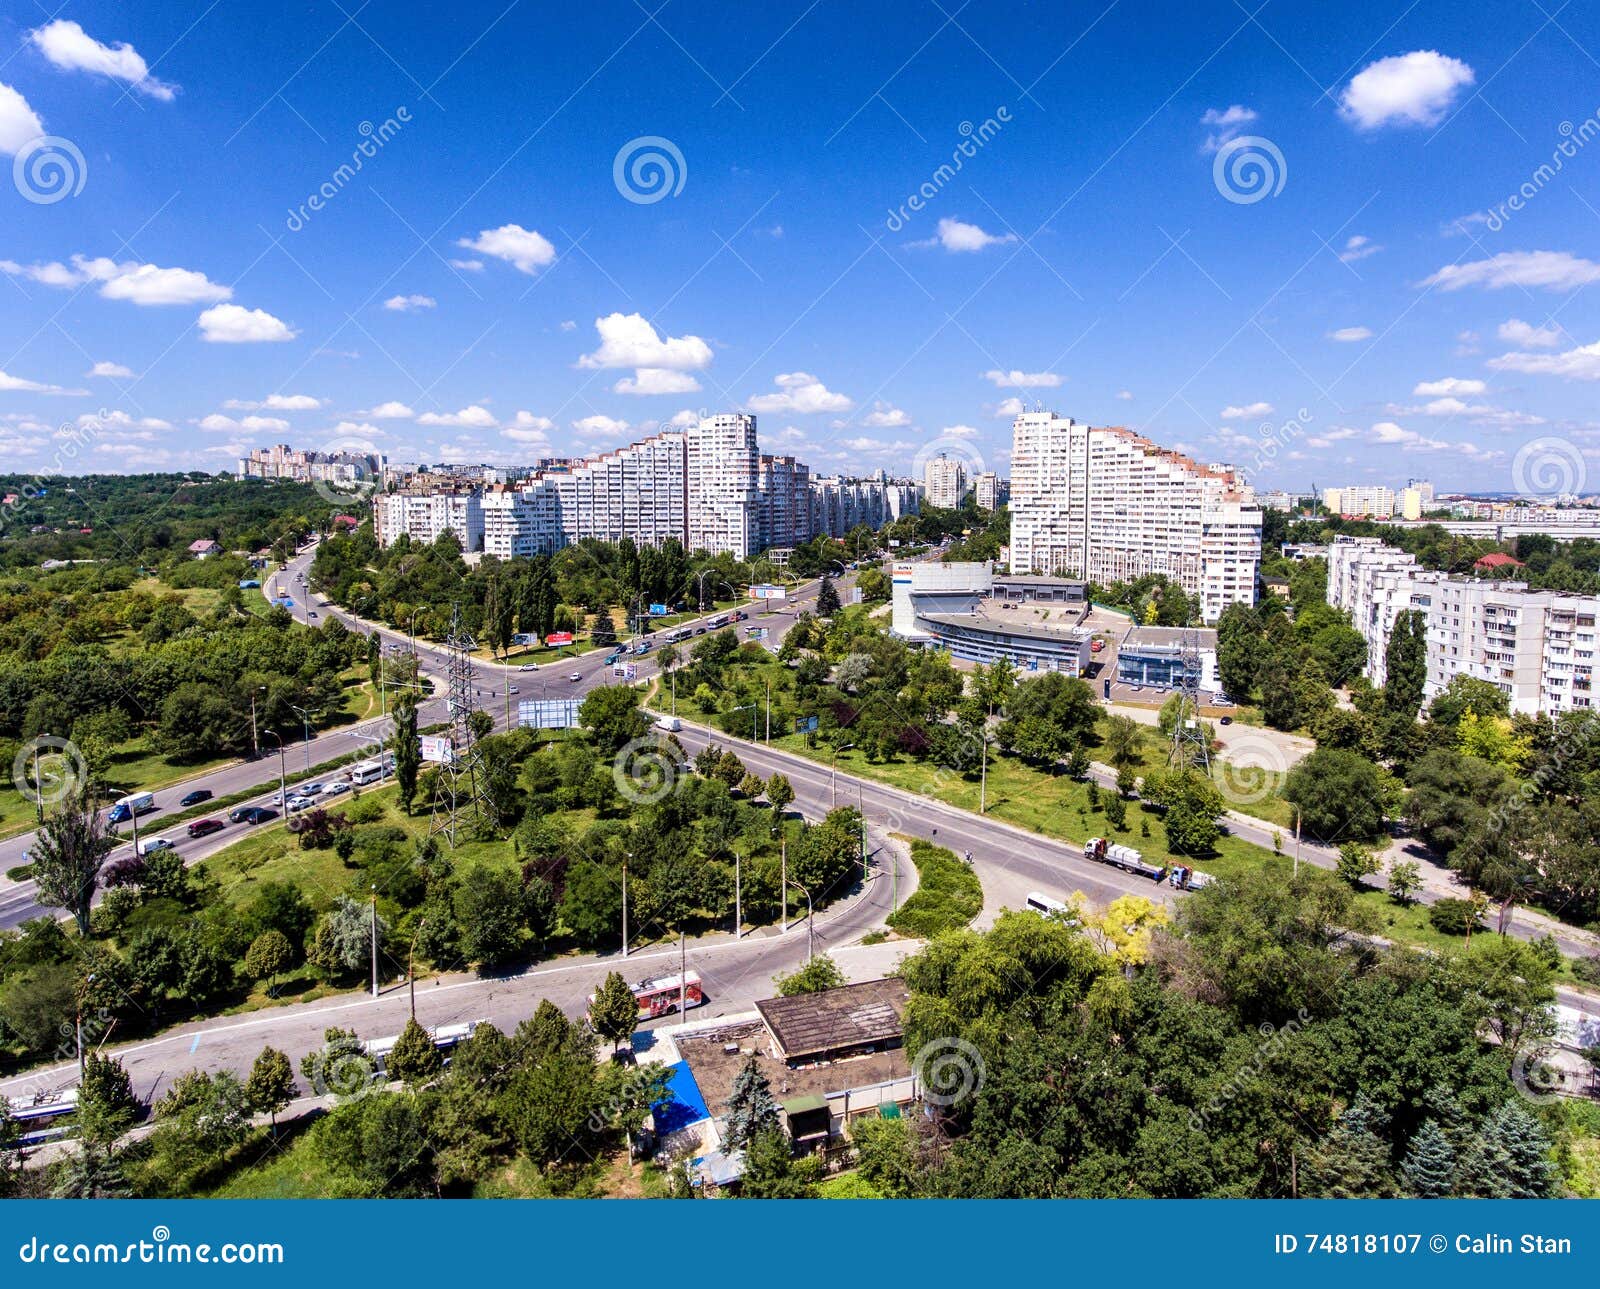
948	894
291	1171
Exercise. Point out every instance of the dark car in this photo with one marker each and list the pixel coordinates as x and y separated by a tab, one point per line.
252	815
1226	720
205	827
196	797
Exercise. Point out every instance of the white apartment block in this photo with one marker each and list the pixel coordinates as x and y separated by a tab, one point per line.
986	490
425	516
1536	646
1360	501
1107	505
722	469
944	481
838	504
784	487
346	469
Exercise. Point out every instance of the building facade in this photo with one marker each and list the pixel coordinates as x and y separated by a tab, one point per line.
944	482
839	504
343	469
988	492
947	606
1108	505
783	485
424	515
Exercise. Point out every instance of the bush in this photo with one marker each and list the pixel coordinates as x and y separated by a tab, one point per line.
1454	917
1587	970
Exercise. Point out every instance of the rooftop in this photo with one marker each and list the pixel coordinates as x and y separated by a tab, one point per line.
1169	637
852	1016
1019	630
714	1067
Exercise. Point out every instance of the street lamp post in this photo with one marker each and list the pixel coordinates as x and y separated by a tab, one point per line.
811	921
375	942
411	958
833	773
283	778
78	1025
738	895
625	860
305	731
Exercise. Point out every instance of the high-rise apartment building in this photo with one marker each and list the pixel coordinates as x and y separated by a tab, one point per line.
426	513
721	466
1107	505
838	504
784	487
944	480
1538	647
987	490
1360	500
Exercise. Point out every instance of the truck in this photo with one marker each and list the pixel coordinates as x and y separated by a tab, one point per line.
1184	878
138	803
1126	858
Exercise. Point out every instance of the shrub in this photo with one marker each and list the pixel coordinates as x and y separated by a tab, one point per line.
1454	917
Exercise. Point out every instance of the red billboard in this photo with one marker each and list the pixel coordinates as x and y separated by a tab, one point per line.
559	638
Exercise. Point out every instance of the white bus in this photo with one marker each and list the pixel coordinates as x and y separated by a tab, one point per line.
1045	905
371	771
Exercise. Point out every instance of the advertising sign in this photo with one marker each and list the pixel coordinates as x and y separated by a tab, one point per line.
769	592
548	713
805	725
559	638
436	748
658	610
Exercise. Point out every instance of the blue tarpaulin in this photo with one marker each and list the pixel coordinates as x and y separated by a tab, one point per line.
683	1105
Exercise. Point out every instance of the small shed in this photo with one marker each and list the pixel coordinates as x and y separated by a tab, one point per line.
836	1023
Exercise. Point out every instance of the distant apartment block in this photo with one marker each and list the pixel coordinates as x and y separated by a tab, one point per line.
839	504
1361	501
783	485
988	491
944	482
1538	647
1107	505
297	465
424	514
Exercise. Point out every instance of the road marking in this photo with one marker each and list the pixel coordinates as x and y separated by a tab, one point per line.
195	1044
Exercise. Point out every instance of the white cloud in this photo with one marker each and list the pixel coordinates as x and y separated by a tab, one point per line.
600	425
467	266
391	411
409	303
1551	270
1247	412
1338	434
19	123
959	237
1125	395
1582	363
884	416
474	418
218	424
1350	335
1225	124
71	48
1015	379
1388	433
657	380
17	384
803	394
357	430
1409	89
108	369
628	340
276	403
144	284
1449	385
1514	331
684	419
568	324
1445	407
233	324
958	432
1358	248
524	249
1012	406
525	427
863	445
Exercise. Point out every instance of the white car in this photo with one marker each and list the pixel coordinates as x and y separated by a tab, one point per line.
297	804
529	666
153	845
575	676
335	789
308	789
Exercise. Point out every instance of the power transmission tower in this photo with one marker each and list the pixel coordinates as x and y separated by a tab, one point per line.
462	780
1190	748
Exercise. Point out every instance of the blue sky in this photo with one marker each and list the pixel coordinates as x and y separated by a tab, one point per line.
483	288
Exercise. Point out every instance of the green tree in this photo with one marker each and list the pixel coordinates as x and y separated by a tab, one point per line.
107	1107
1406	662
1121	745
752	1110
827	598
770	1171
1510	1159
1405	879
271	1086
614	1011
1429	1168
611	714
491	914
1355	863
269	956
68	853
414	1059
1339	794
815	977
780	792
407	747
1353	1161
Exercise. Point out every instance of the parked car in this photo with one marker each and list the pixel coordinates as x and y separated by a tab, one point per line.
1226	720
311	615
205	827
308	789
512	689
195	798
297	804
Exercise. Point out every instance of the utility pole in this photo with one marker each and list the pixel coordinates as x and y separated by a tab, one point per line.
738	895
625	860
811	922
861	815
683	975
255	741
87	980
411	958
783	898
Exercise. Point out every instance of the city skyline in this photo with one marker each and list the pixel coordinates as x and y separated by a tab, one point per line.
353	233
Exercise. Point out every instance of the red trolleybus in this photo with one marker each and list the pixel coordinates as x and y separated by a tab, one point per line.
662	994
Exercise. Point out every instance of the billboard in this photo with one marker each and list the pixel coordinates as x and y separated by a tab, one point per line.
558	638
436	748
658	610
805	725
768	592
548	713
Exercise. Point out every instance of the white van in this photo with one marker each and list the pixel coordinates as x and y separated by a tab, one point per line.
153	845
669	724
